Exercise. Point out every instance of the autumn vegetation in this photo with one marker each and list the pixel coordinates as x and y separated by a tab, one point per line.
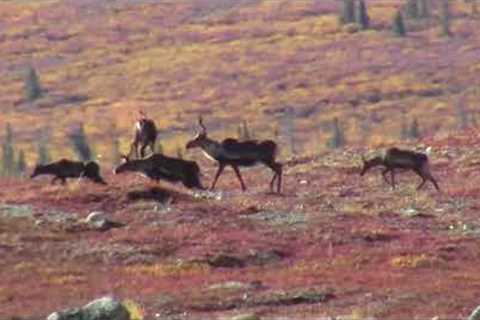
328	80
231	61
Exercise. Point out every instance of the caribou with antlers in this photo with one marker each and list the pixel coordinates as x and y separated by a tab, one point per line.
145	135
395	158
159	167
231	152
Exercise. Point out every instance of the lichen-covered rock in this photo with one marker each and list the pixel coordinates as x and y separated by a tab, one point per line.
72	314
106	308
16	211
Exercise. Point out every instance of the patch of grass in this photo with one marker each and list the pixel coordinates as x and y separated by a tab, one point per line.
66	280
134	309
24	267
416	261
169	270
237	62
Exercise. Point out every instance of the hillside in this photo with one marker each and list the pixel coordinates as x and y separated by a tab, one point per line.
332	245
260	61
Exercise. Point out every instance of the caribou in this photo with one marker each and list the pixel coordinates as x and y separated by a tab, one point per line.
394	158
231	152
145	135
64	168
160	167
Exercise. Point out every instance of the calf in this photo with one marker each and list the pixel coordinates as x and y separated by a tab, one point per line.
160	167
394	158
64	168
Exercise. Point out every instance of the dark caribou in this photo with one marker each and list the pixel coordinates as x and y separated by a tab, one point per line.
160	167
231	152
64	168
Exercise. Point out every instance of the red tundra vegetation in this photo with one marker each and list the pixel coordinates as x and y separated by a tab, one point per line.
331	244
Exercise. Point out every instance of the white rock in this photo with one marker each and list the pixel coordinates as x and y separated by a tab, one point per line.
475	315
97	220
95	216
428	151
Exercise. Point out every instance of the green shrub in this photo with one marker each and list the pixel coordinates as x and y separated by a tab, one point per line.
32	88
399	25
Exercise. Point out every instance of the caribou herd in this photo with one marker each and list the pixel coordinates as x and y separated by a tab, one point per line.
229	152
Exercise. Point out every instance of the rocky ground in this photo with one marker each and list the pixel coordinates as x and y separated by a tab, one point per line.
332	244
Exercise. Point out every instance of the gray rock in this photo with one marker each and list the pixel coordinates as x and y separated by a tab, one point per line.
106	308
475	314
248	316
16	211
96	220
73	314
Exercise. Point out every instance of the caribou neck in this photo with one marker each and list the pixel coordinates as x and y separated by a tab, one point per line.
212	149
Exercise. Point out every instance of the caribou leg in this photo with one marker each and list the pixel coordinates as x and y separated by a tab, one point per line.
275	174
272	181
152	147
425	170
221	166
392	174
432	179
133	149
425	174
384	174
142	150
277	169
279	174
237	172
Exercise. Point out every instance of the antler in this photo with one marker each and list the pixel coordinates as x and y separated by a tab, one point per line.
200	122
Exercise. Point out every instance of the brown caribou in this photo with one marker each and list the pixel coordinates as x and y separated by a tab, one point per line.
395	158
64	168
145	135
160	167
231	152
